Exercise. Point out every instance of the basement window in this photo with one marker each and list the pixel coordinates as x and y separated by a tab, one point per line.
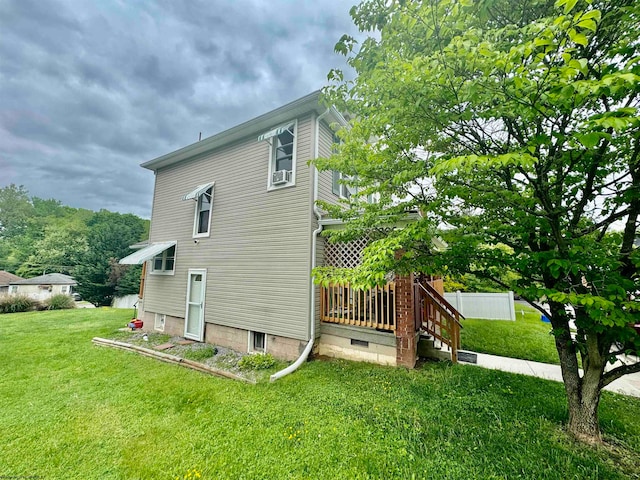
257	342
159	322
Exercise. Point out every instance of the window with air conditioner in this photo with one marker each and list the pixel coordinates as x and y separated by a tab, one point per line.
282	165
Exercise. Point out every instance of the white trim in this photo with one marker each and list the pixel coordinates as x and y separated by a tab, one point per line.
163	321
196	215
153	271
250	342
297	108
273	133
199	190
294	159
203	272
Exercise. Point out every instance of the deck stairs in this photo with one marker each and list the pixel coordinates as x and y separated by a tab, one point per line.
439	324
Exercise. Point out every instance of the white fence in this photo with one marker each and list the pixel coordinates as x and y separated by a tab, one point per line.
490	306
127	301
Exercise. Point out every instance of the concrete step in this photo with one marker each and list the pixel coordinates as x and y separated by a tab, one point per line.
428	349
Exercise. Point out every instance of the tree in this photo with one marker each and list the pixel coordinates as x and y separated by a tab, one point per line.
109	237
15	210
515	125
60	250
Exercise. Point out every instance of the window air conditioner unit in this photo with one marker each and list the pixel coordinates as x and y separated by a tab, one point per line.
280	177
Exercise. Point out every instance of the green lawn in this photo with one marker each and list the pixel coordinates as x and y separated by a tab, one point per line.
71	410
528	337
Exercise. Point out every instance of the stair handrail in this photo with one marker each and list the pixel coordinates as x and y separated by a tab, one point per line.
443	301
452	313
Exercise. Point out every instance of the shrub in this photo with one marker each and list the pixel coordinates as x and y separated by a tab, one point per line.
257	361
60	302
17	303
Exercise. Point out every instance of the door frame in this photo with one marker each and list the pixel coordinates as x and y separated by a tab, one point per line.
195	271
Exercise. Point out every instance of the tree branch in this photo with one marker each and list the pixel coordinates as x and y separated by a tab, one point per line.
616	373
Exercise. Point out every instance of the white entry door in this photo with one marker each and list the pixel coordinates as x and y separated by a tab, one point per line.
194	318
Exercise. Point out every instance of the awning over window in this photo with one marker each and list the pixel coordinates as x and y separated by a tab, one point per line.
146	253
199	190
274	132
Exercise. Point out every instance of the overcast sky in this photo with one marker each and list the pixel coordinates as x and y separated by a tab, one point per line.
91	89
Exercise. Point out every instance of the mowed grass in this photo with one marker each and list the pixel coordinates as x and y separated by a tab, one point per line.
528	337
71	410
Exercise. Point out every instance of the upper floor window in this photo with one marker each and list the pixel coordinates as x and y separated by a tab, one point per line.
282	162
203	214
203	196
339	188
346	191
165	262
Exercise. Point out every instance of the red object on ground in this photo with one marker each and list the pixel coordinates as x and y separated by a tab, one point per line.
137	323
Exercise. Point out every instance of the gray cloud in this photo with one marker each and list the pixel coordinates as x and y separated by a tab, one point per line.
89	90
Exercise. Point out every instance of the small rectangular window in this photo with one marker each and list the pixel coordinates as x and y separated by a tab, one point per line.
257	342
335	182
165	261
341	189
159	322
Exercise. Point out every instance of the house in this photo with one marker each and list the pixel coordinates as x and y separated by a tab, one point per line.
5	279
234	237
44	286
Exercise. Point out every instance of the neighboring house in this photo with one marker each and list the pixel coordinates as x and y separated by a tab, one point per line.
44	286
234	238
5	279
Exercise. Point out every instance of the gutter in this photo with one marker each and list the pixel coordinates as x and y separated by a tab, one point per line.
314	246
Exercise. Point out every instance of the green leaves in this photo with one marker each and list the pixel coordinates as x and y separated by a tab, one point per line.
567	4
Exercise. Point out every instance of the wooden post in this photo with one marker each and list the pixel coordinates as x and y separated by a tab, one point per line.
142	277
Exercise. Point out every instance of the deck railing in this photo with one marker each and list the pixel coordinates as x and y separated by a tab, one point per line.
438	317
374	308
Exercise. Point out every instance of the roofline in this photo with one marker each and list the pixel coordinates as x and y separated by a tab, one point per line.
25	282
408	217
256	125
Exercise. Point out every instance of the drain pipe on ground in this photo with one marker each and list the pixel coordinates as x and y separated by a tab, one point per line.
312	303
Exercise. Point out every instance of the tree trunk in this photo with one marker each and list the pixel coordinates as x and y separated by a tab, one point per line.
583	393
583	417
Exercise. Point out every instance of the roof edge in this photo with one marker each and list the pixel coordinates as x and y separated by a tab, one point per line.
310	102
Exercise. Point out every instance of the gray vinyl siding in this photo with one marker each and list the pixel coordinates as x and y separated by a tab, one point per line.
325	180
257	255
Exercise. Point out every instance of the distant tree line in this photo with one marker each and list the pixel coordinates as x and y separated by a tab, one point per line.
43	236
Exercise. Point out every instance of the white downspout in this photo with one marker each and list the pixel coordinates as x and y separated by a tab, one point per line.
314	241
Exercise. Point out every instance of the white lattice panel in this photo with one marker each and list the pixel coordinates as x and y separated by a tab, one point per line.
344	254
